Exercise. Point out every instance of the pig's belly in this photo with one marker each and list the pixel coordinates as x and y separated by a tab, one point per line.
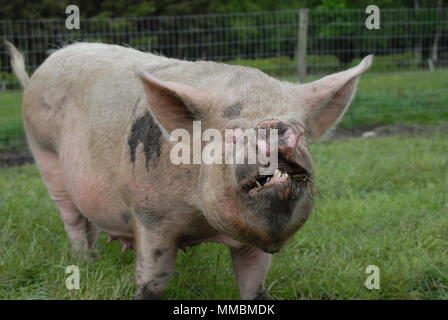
100	201
93	186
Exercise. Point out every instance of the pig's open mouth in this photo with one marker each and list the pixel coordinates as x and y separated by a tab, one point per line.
284	183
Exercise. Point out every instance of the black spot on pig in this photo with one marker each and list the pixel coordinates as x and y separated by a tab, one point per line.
149	218
146	292
145	130
125	217
157	254
276	213
161	275
233	111
244	171
45	105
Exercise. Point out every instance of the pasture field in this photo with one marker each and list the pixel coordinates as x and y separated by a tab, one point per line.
381	202
411	97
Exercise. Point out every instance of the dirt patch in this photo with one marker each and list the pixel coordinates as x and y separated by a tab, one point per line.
389	130
15	158
18	158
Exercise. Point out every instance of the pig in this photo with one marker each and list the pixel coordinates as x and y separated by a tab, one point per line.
98	119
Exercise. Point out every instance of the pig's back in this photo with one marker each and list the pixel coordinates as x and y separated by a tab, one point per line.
91	90
88	92
97	82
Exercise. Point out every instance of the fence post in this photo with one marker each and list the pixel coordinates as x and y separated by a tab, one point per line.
301	48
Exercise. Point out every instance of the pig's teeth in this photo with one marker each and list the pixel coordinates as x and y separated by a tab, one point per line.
258	183
268	179
277	173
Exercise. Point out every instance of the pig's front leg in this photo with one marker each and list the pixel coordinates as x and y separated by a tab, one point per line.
156	260
250	266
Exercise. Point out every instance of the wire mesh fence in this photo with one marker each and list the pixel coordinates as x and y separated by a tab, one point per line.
407	39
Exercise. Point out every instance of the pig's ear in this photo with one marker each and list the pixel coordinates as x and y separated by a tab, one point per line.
327	99
174	105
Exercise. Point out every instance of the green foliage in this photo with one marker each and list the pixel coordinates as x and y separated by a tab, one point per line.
393	63
6	78
12	136
343	32
283	66
24	9
275	66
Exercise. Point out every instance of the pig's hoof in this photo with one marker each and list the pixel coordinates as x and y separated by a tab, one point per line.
263	295
146	294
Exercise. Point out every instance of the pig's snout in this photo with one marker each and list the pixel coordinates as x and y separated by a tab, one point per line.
287	137
291	168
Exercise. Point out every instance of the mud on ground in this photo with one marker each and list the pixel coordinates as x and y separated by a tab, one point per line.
380	130
15	158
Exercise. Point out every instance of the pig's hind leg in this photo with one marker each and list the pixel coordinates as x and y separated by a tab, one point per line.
81	232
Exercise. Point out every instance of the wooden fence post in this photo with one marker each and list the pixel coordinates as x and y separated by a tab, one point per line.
301	48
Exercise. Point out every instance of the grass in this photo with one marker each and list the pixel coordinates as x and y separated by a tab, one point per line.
381	202
413	97
406	98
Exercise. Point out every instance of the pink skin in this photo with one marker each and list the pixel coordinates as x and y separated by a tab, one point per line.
290	140
250	266
287	140
82	232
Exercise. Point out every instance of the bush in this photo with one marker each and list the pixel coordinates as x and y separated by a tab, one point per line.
8	81
324	64
393	63
274	66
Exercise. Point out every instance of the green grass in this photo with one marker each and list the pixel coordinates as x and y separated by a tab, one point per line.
412	97
381	202
406	98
